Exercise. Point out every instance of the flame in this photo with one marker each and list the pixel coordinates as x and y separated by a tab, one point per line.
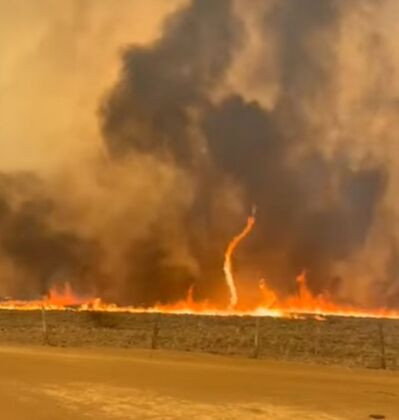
58	298
300	305
305	302
228	267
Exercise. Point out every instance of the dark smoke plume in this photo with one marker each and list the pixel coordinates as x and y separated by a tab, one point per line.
46	255
152	110
149	109
312	213
216	152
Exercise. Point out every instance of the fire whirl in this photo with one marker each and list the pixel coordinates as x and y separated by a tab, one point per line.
303	303
227	268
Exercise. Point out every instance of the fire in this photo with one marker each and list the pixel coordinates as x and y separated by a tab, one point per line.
64	297
57	298
299	305
306	302
228	268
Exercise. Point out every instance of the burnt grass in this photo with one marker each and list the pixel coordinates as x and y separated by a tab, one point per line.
351	342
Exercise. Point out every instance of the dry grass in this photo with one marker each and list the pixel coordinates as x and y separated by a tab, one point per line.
338	341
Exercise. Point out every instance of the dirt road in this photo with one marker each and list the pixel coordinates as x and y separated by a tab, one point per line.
47	384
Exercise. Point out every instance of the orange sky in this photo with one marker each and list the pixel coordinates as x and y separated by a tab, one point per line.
58	60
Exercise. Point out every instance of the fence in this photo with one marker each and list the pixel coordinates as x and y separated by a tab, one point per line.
370	343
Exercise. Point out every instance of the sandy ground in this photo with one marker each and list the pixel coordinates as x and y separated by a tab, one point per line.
47	383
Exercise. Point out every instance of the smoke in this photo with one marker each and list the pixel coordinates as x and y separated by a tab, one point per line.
149	109
290	106
57	62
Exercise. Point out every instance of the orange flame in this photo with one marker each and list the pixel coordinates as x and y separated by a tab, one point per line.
228	266
305	302
299	305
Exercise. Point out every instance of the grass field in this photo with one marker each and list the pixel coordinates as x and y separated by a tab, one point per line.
347	342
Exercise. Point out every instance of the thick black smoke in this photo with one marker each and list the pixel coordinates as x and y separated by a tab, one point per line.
45	254
173	103
311	213
152	110
149	109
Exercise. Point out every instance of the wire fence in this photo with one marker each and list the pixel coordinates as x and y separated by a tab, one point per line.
370	343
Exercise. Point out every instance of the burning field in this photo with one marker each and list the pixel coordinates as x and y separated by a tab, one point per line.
127	174
302	327
190	179
302	304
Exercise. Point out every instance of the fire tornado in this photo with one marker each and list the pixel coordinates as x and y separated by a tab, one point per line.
228	265
216	105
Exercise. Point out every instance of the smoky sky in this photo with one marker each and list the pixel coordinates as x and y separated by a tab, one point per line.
313	210
149	108
49	256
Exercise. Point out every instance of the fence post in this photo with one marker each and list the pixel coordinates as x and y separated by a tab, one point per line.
317	338
44	326
256	349
382	344
155	332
